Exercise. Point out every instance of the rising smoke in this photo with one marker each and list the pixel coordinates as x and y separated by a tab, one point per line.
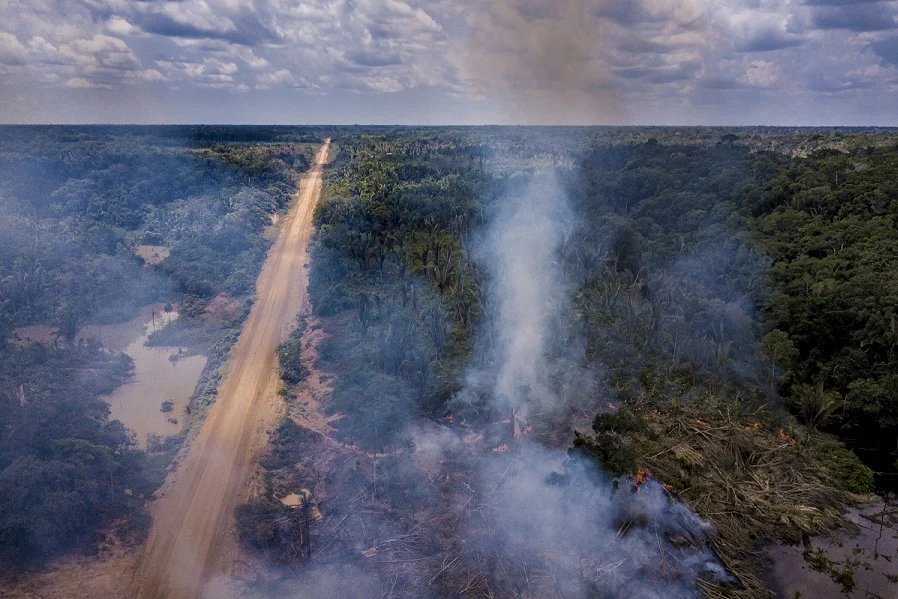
544	61
489	501
545	519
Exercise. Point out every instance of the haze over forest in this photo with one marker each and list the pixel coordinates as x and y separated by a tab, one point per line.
425	299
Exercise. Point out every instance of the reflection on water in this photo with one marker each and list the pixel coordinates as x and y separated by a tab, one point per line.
866	562
157	378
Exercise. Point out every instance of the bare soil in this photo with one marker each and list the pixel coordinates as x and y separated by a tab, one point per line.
193	540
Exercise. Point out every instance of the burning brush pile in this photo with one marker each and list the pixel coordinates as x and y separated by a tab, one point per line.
538	522
755	480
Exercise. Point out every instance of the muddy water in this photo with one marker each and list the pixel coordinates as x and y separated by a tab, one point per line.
871	554
157	378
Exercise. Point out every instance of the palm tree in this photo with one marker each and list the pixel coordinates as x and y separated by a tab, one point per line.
815	404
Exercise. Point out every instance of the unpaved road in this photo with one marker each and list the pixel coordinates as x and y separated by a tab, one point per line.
193	540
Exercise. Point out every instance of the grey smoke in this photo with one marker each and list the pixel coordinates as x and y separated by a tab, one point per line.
544	519
519	517
528	292
543	61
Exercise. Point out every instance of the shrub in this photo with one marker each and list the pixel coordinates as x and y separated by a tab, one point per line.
848	470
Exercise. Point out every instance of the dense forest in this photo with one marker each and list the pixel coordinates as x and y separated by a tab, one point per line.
736	279
728	290
712	259
76	205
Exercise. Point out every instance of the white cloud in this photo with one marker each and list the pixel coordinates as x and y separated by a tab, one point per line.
576	59
78	83
218	66
279	77
119	26
761	73
151	75
11	50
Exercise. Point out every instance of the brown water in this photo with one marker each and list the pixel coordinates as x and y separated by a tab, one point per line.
157	378
872	554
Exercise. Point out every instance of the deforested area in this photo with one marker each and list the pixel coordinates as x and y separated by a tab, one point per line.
110	235
514	362
579	363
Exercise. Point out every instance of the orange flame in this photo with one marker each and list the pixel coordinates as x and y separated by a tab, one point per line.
502	448
701	421
521	427
641	474
785	436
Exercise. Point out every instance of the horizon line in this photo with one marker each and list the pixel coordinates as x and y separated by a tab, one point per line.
454	125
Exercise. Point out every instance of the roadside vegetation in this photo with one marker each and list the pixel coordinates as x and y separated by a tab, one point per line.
77	206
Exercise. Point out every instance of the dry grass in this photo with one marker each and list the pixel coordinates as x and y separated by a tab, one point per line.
753	482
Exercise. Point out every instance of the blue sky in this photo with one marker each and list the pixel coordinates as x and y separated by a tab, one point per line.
799	62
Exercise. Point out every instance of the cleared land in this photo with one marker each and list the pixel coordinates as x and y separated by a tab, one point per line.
192	541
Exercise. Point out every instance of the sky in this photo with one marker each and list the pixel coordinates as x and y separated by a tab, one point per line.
666	62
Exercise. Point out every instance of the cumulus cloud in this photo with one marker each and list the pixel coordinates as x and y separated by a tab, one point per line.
761	73
79	83
119	26
11	50
528	60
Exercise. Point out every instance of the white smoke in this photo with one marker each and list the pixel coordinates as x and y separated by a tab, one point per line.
546	520
521	248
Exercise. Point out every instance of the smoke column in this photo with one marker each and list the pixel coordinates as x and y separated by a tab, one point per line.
548	523
528	292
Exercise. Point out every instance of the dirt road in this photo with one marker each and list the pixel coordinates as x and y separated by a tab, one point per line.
192	541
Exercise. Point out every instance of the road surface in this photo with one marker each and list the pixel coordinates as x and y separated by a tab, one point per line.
192	541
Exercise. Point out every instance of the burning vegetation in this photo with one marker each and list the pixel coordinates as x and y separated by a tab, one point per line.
475	324
741	471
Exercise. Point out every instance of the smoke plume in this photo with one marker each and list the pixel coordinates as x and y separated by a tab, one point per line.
544	61
544	519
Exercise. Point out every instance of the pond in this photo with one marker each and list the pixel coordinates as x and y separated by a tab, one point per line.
161	375
867	562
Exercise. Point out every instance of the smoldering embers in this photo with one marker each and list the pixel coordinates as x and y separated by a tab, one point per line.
547	523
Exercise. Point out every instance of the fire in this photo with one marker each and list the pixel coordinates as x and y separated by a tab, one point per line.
521	427
502	448
642	473
449	417
701	421
612	406
444	478
753	425
785	436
